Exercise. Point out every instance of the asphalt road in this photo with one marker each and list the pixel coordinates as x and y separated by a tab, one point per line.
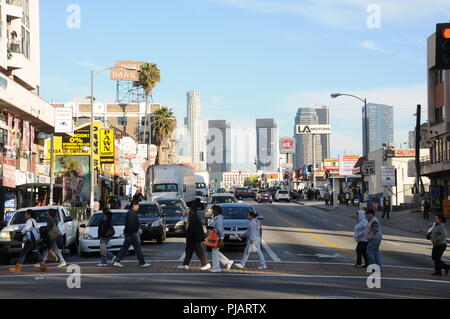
293	235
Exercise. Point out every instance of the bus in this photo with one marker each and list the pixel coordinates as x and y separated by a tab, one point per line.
32	195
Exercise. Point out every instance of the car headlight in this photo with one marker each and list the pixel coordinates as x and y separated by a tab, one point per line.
5	236
180	223
88	237
156	223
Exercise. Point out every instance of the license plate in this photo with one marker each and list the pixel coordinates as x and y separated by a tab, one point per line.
167	229
233	237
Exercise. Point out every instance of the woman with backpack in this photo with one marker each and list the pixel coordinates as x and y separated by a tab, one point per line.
53	237
105	233
31	237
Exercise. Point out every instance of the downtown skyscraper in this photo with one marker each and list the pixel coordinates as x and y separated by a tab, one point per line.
380	120
267	146
195	129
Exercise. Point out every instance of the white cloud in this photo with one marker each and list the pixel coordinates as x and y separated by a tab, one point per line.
370	45
346	12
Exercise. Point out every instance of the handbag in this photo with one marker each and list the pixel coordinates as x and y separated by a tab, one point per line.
54	233
212	240
103	249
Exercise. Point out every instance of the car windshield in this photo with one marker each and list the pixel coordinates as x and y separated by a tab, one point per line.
170	202
172	211
118	219
222	200
200	185
148	211
235	212
41	217
165	188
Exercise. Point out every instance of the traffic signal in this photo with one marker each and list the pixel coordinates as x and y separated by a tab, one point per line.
442	46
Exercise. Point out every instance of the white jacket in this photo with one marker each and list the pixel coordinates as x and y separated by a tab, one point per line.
360	229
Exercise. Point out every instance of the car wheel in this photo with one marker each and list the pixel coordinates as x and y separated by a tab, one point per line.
74	247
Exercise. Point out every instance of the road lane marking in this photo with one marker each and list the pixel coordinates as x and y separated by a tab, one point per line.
392	243
312	234
339	225
270	252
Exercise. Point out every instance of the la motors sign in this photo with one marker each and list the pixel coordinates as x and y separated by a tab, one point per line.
313	129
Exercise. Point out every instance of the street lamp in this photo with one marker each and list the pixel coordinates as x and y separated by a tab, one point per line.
44	136
365	132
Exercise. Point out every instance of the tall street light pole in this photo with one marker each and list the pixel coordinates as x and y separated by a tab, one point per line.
366	149
45	136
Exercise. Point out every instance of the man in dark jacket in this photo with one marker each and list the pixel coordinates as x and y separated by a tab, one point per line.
131	233
195	236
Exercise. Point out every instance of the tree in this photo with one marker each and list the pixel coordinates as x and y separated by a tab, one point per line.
70	165
149	75
164	125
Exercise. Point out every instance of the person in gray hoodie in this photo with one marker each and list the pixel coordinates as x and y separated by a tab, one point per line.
439	240
374	237
361	239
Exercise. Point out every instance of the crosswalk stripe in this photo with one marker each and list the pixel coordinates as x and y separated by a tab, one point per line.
271	252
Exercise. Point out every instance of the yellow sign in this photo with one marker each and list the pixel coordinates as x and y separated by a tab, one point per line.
79	144
446	204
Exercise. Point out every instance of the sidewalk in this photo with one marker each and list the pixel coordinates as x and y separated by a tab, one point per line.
403	220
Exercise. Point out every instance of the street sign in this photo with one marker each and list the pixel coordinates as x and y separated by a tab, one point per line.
347	164
63	120
388	176
313	129
368	168
287	145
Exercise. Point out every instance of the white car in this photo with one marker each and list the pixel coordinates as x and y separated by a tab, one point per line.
89	242
215	199
282	195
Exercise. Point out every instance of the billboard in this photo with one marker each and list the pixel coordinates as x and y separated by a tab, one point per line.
63	120
331	163
287	145
126	71
73	173
347	164
388	176
313	129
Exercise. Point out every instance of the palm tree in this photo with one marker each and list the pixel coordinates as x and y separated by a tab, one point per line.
164	125
149	75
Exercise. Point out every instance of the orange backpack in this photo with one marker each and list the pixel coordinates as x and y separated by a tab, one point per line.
212	240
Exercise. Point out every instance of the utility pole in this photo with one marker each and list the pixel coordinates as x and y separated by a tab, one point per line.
419	182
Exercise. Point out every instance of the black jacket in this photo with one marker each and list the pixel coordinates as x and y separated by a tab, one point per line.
105	225
194	231
131	223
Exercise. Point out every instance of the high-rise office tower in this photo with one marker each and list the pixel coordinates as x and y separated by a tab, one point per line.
323	114
304	143
218	150
380	120
195	129
267	145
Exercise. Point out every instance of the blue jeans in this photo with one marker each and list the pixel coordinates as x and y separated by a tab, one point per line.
109	255
54	246
373	249
247	252
131	240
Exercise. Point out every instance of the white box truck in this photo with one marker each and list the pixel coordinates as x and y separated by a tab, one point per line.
202	182
174	181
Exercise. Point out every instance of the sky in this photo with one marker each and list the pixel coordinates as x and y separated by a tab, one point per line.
251	58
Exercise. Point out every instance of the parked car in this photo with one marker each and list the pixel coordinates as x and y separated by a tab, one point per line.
294	195
265	197
11	239
89	241
241	193
215	199
152	222
236	223
175	212
282	195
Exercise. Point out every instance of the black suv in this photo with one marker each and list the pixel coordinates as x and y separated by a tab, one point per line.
152	222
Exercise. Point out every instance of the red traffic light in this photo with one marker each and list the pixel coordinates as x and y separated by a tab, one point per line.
446	33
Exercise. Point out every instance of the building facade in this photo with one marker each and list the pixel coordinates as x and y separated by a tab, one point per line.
380	119
304	143
235	179
23	114
218	150
267	150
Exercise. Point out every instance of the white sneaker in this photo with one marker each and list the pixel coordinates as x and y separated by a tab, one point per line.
215	270
206	268
229	265
183	267
119	265
63	265
240	266
145	265
262	267
102	265
112	261
37	265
